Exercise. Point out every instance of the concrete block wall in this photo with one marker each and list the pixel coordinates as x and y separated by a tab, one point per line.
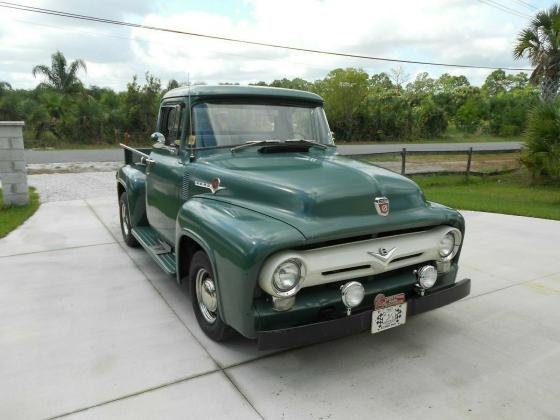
13	172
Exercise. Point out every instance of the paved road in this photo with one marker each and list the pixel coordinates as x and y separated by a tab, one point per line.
115	155
64	156
94	328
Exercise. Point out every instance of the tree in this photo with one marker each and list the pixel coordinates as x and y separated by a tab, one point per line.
497	82
422	85
451	92
296	83
399	77
172	84
61	76
540	43
345	92
5	86
541	154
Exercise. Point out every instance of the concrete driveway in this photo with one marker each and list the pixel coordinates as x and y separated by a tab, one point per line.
92	329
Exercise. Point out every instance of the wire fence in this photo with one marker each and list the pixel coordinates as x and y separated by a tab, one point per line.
468	162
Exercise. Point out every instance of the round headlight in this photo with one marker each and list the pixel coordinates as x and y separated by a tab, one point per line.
427	276
352	294
286	276
447	244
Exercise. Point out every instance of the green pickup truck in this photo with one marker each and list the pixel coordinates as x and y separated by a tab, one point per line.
245	200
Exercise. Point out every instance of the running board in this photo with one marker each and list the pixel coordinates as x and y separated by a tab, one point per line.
159	250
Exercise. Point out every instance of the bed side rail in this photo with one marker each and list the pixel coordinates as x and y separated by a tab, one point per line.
132	155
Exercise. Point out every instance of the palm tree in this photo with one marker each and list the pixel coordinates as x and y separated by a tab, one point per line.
61	76
540	42
4	86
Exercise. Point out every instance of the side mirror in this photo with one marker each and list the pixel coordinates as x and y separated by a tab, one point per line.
157	137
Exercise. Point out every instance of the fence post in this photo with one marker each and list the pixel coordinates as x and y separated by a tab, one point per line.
469	162
403	165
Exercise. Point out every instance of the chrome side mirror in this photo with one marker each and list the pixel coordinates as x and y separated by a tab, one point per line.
157	137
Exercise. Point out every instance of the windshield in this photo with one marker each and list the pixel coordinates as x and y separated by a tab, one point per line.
226	124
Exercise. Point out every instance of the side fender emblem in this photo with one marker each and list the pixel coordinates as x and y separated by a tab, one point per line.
213	186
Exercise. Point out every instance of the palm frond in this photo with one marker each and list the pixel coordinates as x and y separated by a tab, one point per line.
42	69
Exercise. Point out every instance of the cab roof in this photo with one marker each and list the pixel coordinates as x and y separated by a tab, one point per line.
245	91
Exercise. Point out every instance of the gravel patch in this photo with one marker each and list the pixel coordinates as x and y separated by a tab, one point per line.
72	167
74	186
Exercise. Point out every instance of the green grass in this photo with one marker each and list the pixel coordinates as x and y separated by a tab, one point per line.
512	193
13	216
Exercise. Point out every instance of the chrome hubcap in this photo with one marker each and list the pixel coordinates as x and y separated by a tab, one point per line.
124	218
206	295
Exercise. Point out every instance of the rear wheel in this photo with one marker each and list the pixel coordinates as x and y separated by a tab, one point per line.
204	296
126	227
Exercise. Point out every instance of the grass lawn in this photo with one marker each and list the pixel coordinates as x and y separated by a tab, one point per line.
511	193
13	216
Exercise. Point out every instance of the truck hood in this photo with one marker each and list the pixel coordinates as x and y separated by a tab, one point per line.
324	196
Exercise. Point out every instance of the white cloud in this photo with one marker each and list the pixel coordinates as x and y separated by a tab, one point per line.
458	31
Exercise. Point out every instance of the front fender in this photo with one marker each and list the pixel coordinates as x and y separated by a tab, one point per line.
134	182
237	241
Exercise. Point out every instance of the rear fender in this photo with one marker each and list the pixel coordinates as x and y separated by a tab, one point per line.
132	179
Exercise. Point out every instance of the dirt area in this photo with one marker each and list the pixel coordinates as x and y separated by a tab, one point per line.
432	163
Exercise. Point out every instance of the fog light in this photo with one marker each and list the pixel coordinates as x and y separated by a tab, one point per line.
427	276
352	295
283	304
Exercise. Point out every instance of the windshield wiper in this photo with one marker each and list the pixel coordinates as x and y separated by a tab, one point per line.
310	142
253	143
278	143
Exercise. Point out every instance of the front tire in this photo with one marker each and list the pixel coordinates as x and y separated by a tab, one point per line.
126	227
204	297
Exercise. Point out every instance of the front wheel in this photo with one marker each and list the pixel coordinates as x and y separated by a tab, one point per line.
126	227
204	297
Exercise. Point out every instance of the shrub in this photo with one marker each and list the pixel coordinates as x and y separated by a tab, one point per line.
542	141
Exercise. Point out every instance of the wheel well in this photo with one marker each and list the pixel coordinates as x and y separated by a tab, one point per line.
120	190
187	248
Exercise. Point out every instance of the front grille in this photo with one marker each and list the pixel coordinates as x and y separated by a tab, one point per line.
359	238
406	257
345	270
403	231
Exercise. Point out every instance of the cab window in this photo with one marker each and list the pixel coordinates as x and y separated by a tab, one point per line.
170	124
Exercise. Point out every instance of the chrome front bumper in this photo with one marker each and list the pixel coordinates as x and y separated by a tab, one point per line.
353	324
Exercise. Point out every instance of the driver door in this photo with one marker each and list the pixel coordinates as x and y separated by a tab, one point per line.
164	173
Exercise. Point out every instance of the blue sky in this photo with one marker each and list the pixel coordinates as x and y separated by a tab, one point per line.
454	31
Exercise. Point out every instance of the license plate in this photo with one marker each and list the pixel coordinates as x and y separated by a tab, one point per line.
389	312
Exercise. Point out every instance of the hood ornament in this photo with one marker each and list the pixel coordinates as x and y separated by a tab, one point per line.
383	254
382	205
